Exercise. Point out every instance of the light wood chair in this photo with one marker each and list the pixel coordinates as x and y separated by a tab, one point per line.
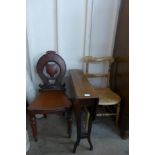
107	97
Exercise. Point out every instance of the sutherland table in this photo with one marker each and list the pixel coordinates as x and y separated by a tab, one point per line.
84	97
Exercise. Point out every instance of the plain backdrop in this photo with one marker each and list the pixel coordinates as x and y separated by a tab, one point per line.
13	77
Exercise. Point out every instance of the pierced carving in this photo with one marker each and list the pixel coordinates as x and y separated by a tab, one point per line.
51	69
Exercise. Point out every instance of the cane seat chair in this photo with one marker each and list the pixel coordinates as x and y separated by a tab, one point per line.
51	69
107	97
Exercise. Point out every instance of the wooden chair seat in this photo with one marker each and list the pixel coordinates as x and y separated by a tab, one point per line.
50	101
107	96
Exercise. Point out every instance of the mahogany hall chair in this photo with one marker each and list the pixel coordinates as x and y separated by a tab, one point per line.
51	69
107	97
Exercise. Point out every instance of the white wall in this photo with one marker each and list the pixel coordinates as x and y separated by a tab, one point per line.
41	31
73	27
105	13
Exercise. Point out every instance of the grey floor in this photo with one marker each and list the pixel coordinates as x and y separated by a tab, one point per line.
53	140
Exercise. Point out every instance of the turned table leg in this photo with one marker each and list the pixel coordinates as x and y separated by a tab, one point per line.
78	137
78	125
91	106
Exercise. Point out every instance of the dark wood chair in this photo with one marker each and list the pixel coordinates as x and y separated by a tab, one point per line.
51	69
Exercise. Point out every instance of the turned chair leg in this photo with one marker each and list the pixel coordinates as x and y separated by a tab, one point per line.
69	122
117	114
33	126
45	115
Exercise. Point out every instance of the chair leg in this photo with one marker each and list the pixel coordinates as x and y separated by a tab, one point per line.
63	114
33	125
117	114
69	122
87	120
90	127
45	115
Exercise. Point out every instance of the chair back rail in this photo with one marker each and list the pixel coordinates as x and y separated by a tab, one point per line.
95	60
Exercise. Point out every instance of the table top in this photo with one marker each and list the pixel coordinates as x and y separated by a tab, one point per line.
82	87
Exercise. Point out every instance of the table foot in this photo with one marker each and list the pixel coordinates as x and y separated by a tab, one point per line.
75	146
91	146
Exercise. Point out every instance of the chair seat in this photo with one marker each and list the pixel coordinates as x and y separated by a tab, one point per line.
107	96
50	101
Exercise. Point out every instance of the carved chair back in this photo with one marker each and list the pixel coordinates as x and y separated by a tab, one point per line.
51	68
